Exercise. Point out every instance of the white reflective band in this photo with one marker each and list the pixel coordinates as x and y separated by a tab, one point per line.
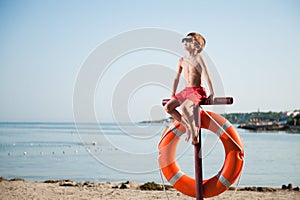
176	177
223	180
171	128
176	131
225	126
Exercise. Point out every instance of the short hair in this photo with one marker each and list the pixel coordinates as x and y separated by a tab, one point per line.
199	38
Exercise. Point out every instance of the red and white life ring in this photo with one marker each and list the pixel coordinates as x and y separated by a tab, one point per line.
228	174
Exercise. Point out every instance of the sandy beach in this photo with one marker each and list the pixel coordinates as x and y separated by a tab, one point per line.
67	189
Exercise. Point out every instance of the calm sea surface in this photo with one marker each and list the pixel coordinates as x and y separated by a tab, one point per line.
120	152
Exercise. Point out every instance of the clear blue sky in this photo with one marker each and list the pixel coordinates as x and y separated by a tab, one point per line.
254	44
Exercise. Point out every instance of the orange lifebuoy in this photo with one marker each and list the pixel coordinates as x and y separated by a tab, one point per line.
228	174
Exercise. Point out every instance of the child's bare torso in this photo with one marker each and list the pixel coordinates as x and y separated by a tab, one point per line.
192	72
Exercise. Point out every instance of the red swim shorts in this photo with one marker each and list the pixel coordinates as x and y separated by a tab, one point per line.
195	94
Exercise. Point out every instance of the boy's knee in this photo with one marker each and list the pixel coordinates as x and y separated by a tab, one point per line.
168	109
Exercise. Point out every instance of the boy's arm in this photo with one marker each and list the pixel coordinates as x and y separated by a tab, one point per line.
176	79
209	81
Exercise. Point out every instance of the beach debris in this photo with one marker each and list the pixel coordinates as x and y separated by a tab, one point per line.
266	189
3	179
68	183
290	187
151	186
24	153
51	181
88	184
154	186
284	187
256	189
133	185
296	188
16	179
125	185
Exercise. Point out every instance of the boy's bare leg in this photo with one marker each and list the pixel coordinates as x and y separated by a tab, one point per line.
189	118
170	108
189	130
196	135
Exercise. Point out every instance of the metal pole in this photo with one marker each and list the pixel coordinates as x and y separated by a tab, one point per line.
198	156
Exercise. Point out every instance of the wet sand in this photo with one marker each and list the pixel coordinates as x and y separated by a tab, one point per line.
67	189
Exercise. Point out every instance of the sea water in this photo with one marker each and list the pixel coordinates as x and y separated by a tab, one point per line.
120	152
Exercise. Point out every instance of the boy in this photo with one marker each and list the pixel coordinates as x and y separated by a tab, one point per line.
194	72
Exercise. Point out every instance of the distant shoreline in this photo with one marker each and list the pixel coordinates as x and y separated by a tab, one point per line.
247	126
258	121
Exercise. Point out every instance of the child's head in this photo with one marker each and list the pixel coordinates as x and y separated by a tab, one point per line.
198	41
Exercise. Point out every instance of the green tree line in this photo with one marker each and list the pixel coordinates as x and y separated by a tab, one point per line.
239	118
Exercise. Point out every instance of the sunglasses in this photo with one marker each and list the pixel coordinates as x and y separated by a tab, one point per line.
188	40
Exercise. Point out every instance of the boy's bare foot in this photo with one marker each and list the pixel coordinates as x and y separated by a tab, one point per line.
188	134
195	140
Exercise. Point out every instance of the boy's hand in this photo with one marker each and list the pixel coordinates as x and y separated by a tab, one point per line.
210	99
